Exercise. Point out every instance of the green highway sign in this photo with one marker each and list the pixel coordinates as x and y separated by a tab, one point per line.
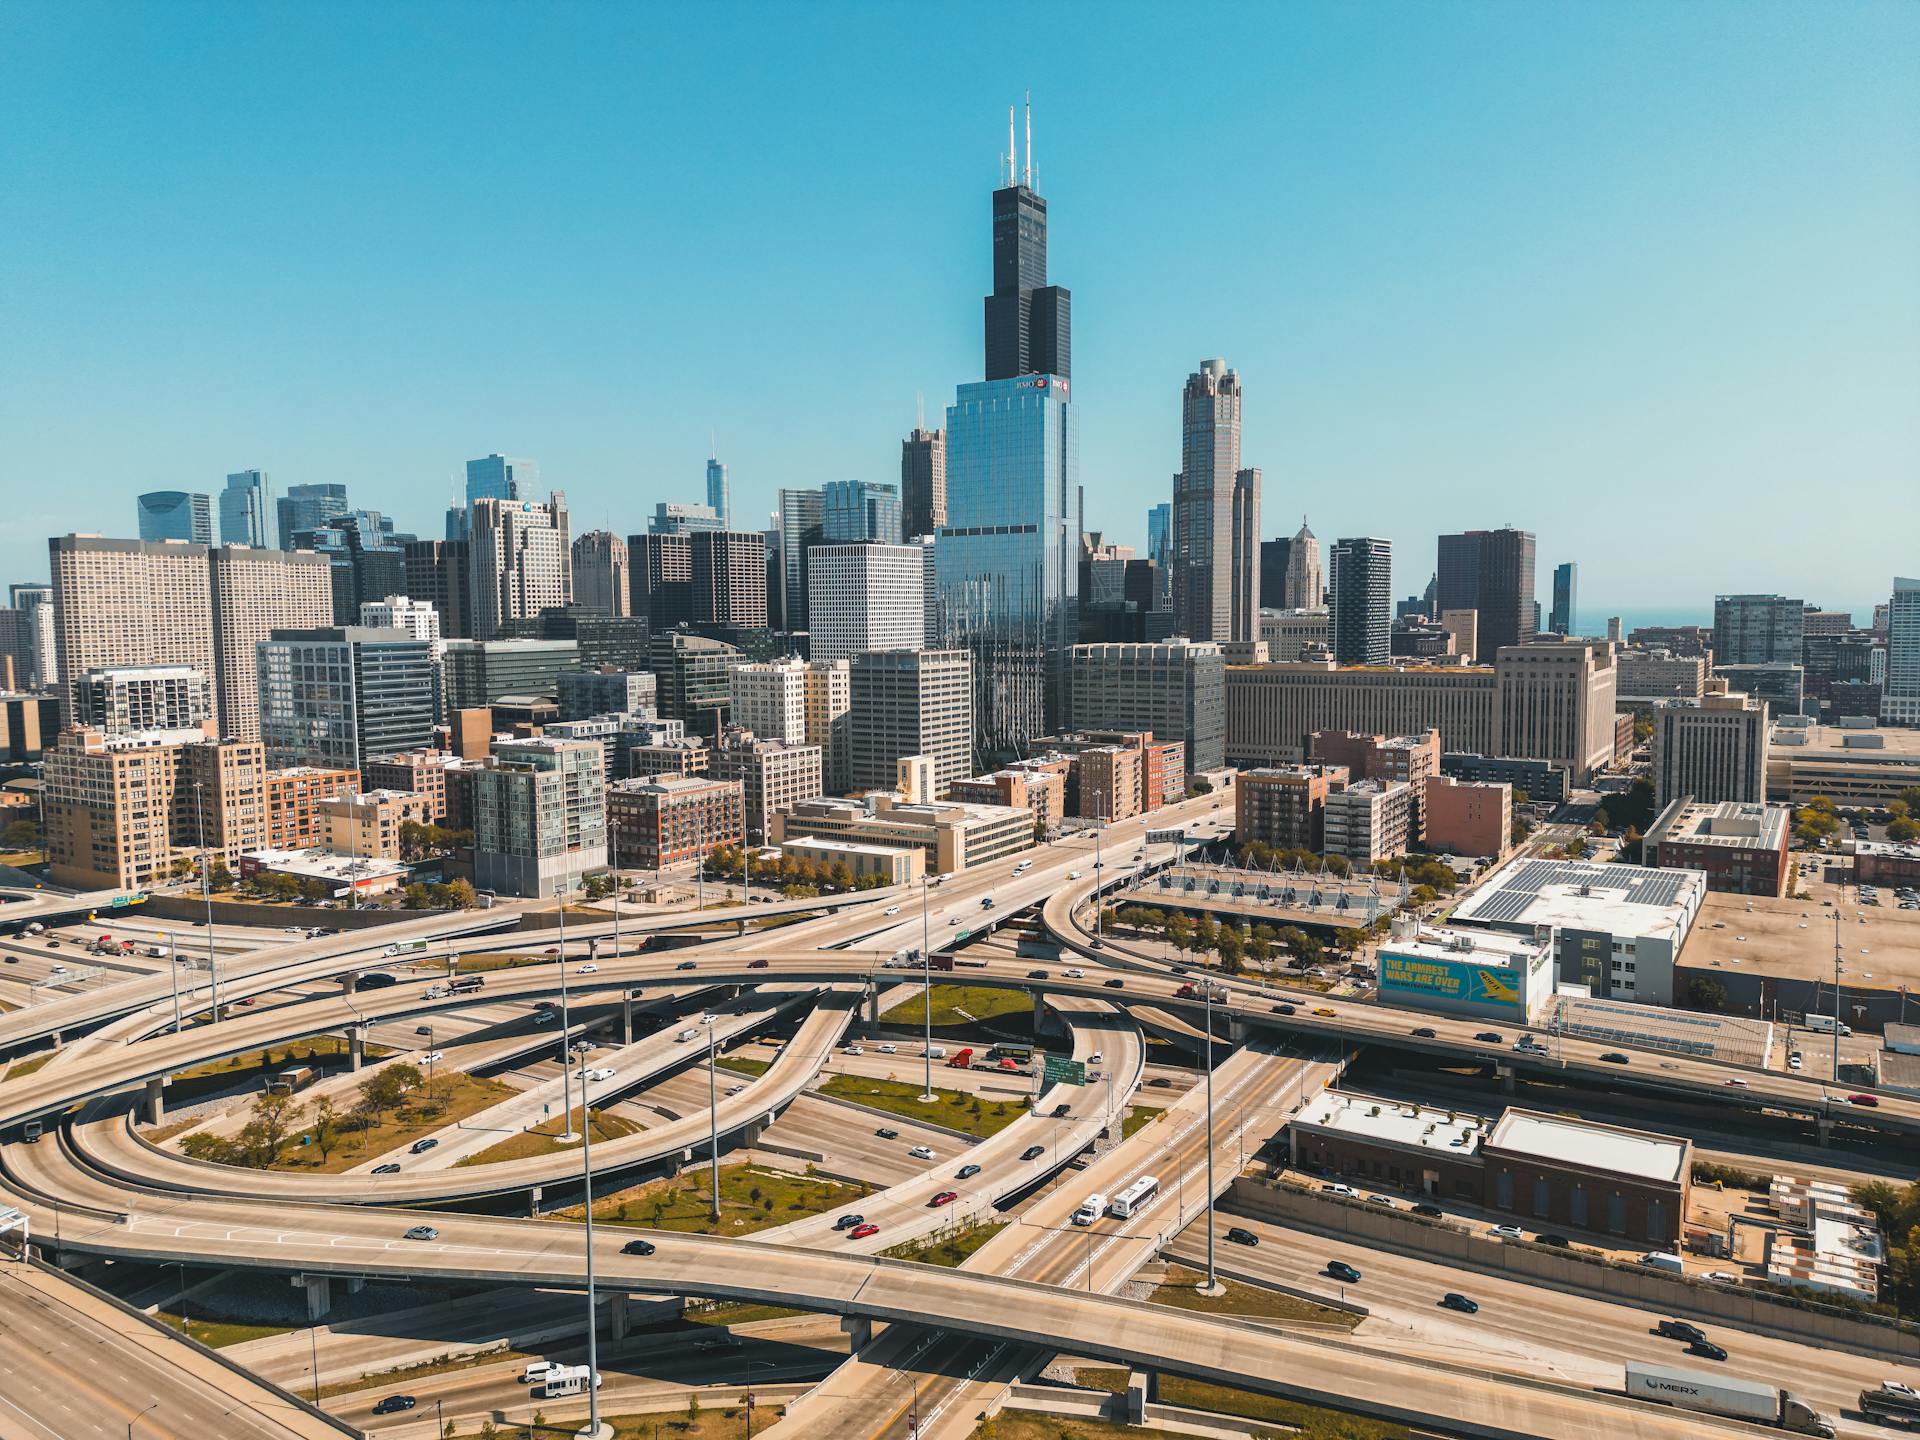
963	935
1059	1070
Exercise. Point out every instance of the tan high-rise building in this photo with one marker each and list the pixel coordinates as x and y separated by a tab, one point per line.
1273	709
518	561
1216	514
1712	752
367	823
117	807
256	592
923	483
120	603
1554	701
600	573
1306	582
829	690
773	776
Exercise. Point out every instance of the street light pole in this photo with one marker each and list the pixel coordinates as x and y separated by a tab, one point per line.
566	1135
206	893
173	968
926	996
1213	1281
1099	934
593	1329
1836	997
141	1416
713	1121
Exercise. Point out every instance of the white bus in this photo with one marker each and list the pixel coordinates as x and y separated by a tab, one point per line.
1135	1198
1091	1209
1826	1025
562	1380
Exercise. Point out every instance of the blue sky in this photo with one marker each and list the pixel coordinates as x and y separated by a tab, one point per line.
1639	277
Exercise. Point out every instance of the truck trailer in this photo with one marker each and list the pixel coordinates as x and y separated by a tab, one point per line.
1726	1396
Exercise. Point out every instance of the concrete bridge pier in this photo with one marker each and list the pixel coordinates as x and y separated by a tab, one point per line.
533	1203
348	979
356	1046
619	1315
1505	1074
1824	1124
156	1100
859	1331
873	1011
319	1290
626	1017
1139	1391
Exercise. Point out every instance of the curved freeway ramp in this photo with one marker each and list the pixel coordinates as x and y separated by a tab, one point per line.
323	1241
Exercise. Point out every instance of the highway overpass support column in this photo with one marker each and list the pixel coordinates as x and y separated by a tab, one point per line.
873	1010
859	1330
1824	1124
626	1017
619	1316
356	1046
319	1290
157	1100
1505	1073
1139	1391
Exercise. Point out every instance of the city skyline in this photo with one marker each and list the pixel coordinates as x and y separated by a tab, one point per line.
1627	333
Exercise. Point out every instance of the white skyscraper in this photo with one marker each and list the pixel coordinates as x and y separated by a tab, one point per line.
518	561
866	597
1900	699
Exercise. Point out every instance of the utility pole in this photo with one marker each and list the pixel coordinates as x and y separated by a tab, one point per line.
566	1032
206	893
613	852
173	969
926	996
713	1121
1213	1281
1099	934
1835	1037
593	1328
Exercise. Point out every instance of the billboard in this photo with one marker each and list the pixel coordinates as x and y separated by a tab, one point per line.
1166	837
1460	981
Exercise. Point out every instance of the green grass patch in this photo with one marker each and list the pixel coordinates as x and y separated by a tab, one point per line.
1181	1290
714	1422
956	1110
315	1048
1309	1421
952	1250
505	960
739	1313
742	1065
218	1334
540	1139
1137	1118
454	1098
421	1370
752	1197
961	1005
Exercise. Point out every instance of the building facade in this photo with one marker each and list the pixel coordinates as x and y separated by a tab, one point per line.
600	584
124	603
773	777
1492	572
337	696
865	597
540	817
254	593
1464	817
519	561
137	698
175	515
1370	820
1742	847
672	819
923	482
1176	689
1712	752
243	511
1566	599
1359	590
1216	514
1900	694
908	702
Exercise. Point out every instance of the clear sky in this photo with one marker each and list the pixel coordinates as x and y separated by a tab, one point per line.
1644	278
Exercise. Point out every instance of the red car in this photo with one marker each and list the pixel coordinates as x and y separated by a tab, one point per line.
945	1197
860	1232
1872	1102
757	964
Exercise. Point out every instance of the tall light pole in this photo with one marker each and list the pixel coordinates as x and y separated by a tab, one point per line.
1099	934
141	1416
206	892
1835	1037
926	996
593	1328
1206	1039
173	968
566	1030
713	1120
613	853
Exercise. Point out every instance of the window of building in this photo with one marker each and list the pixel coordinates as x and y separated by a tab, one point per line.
1503	1190
1542	1199
1616	1215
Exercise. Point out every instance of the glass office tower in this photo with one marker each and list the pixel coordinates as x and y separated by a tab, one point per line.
1007	556
176	515
243	510
856	510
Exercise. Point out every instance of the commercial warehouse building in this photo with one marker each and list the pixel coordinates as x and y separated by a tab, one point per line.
1480	973
1741	847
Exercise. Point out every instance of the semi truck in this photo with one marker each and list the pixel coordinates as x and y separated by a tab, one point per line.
961	1061
1893	1403
1726	1396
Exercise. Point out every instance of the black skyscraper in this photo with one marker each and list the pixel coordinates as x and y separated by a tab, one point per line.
1490	571
1029	322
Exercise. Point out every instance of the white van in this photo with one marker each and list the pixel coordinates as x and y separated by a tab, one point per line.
1824	1024
1091	1209
536	1370
938	1052
685	1035
1664	1260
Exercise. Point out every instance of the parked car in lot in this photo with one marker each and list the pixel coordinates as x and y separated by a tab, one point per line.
1456	1301
1340	1270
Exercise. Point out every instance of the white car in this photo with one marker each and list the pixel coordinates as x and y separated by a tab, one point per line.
1076	974
1505	1232
432	1057
1793	1061
854	1050
1073	874
733	1090
1738	1083
921	1152
601	1072
708	1018
1096	1057
1345	1191
891	910
889	1048
588	969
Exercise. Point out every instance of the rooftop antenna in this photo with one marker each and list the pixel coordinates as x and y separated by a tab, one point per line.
1013	156
919	409
1026	176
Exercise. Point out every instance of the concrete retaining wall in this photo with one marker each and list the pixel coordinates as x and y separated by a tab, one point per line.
244	912
1406	1234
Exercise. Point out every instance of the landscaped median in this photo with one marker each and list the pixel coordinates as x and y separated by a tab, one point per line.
950	1248
950	1109
543	1139
1302	1422
958	1004
752	1197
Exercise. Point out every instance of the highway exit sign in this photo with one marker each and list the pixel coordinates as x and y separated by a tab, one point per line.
1061	1071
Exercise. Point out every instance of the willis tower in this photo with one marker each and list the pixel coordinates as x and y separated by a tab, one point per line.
1029	322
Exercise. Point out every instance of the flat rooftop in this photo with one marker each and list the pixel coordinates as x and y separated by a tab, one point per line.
1844	742
1560	1140
1394	1122
1467	947
849	847
1614	899
325	865
1793	939
1887	849
1737	1039
1731	824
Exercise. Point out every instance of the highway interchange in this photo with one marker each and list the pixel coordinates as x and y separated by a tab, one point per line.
1039	1287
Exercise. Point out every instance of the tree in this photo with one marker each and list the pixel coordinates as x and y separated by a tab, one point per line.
218	876
460	894
693	1408
1602	822
388	1090
1903	830
1705	993
20	835
1199	785
415	896
327	1125
312	891
488	1430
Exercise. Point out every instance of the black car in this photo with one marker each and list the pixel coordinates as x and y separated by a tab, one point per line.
1706	1350
1116	984
1180	969
1061	1111
1425	1032
1036	974
1033	1152
1680	1330
1558	1242
1340	1270
1284	1009
394	1404
388	1169
1160	1082
1614	1057
420	1147
686	965
637	1247
1428	1209
1490	1037
966	1172
886	1132
847	1222
1455	1301
1242	1237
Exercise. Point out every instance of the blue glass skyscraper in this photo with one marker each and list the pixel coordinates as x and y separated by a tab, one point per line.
176	515
308	507
243	510
1007	558
856	510
719	497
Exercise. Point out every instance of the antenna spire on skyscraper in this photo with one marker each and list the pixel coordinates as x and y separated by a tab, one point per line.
1026	174
1013	154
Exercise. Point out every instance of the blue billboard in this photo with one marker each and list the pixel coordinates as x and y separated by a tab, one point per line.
1419	980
